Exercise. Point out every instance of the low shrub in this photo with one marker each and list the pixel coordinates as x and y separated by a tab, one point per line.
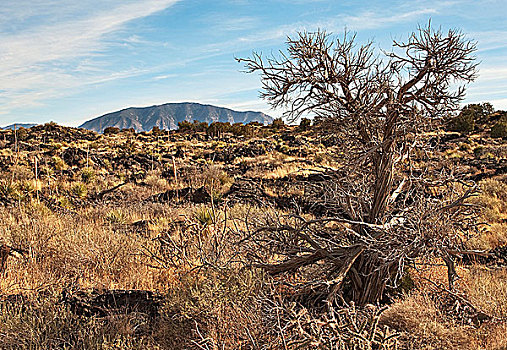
499	130
88	175
79	189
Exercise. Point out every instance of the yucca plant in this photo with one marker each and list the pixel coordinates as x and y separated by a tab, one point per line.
79	189
88	175
116	217
204	216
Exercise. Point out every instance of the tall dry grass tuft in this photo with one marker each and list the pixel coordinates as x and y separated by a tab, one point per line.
423	327
493	199
487	289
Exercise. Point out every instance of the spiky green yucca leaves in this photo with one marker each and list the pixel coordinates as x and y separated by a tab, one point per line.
216	182
16	190
7	189
204	215
116	217
88	175
79	189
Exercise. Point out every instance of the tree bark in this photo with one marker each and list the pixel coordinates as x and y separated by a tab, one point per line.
369	278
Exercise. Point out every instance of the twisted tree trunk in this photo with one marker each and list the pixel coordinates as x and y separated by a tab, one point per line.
369	275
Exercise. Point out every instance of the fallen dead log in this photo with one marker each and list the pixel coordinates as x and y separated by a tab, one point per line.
458	307
100	195
250	190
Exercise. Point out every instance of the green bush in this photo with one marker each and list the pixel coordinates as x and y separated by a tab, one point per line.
156	131
471	117
58	163
305	124
128	131
499	130
217	129
463	123
116	216
277	124
204	216
111	130
185	125
199	126
479	151
22	134
79	189
9	190
217	182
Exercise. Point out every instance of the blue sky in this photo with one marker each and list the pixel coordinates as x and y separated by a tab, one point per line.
68	61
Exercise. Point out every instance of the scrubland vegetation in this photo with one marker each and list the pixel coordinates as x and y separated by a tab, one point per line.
189	247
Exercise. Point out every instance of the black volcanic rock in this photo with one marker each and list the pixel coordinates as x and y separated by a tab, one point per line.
168	115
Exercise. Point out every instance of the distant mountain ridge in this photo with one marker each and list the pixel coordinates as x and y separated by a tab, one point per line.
167	116
18	125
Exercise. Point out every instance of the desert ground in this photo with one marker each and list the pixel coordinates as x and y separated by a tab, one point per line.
128	240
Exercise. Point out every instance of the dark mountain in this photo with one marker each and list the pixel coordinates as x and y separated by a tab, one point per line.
18	125
168	115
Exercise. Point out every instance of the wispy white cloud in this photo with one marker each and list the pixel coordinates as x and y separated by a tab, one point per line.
489	40
50	58
493	73
232	24
500	103
491	86
51	49
163	77
362	21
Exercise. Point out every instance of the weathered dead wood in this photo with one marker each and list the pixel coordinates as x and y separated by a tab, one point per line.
459	307
294	263
100	195
380	108
493	257
4	255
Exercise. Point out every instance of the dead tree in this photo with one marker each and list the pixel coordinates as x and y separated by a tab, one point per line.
380	104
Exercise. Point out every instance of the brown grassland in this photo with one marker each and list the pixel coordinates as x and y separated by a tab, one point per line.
168	213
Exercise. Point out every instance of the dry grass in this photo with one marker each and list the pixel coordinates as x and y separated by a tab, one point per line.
493	199
424	327
209	301
45	324
62	250
288	169
188	253
487	289
96	249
